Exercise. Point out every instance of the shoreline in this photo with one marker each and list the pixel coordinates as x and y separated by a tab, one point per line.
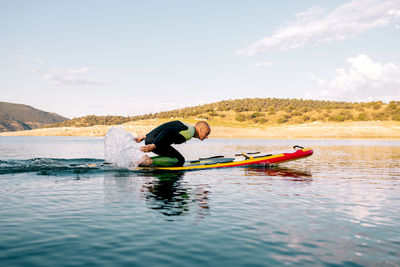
316	130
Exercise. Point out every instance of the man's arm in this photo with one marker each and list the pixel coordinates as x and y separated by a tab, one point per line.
148	148
165	137
140	138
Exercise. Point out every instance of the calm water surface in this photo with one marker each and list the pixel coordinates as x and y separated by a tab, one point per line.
340	206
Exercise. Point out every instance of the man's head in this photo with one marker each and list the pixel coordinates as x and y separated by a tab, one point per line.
202	130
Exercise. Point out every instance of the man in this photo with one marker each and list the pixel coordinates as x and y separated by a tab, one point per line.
160	139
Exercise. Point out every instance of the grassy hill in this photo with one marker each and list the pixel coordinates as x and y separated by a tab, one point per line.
260	111
14	117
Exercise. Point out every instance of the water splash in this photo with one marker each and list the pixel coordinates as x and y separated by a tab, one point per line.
121	149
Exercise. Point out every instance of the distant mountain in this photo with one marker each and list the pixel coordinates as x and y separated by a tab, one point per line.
16	117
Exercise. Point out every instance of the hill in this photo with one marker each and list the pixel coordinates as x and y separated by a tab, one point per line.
15	117
260	111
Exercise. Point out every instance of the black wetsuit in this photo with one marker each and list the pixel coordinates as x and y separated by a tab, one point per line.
165	135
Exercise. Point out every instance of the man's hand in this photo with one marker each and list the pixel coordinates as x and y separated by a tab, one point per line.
140	138
148	148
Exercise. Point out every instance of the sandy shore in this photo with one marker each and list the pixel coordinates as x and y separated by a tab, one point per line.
315	130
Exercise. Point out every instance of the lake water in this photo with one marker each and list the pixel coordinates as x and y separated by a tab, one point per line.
341	206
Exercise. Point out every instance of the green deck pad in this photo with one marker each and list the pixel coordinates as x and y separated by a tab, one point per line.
164	161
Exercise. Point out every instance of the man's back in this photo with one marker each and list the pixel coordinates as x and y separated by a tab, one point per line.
160	139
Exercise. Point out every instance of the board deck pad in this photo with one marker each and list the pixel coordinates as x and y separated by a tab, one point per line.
240	159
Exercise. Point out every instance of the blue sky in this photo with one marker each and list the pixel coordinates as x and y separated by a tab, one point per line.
133	57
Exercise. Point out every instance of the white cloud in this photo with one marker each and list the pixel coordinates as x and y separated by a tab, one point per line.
61	76
320	82
263	64
39	61
316	25
362	80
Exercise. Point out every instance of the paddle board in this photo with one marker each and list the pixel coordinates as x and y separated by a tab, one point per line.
240	159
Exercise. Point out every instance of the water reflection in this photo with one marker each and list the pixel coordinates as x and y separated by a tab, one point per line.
165	192
171	196
294	175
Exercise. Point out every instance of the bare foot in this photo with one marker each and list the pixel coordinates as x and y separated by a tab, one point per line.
146	161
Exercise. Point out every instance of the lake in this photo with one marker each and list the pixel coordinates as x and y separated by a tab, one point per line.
341	206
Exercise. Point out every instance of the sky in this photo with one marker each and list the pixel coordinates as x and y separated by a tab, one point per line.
78	58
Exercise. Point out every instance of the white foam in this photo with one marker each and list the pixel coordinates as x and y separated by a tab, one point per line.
121	149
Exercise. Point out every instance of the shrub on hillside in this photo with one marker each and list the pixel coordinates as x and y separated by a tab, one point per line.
396	117
240	117
362	116
337	118
282	119
271	111
305	118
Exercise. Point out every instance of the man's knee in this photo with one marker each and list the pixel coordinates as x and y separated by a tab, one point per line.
171	153
181	161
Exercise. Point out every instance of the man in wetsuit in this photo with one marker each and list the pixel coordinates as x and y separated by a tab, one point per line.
160	139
